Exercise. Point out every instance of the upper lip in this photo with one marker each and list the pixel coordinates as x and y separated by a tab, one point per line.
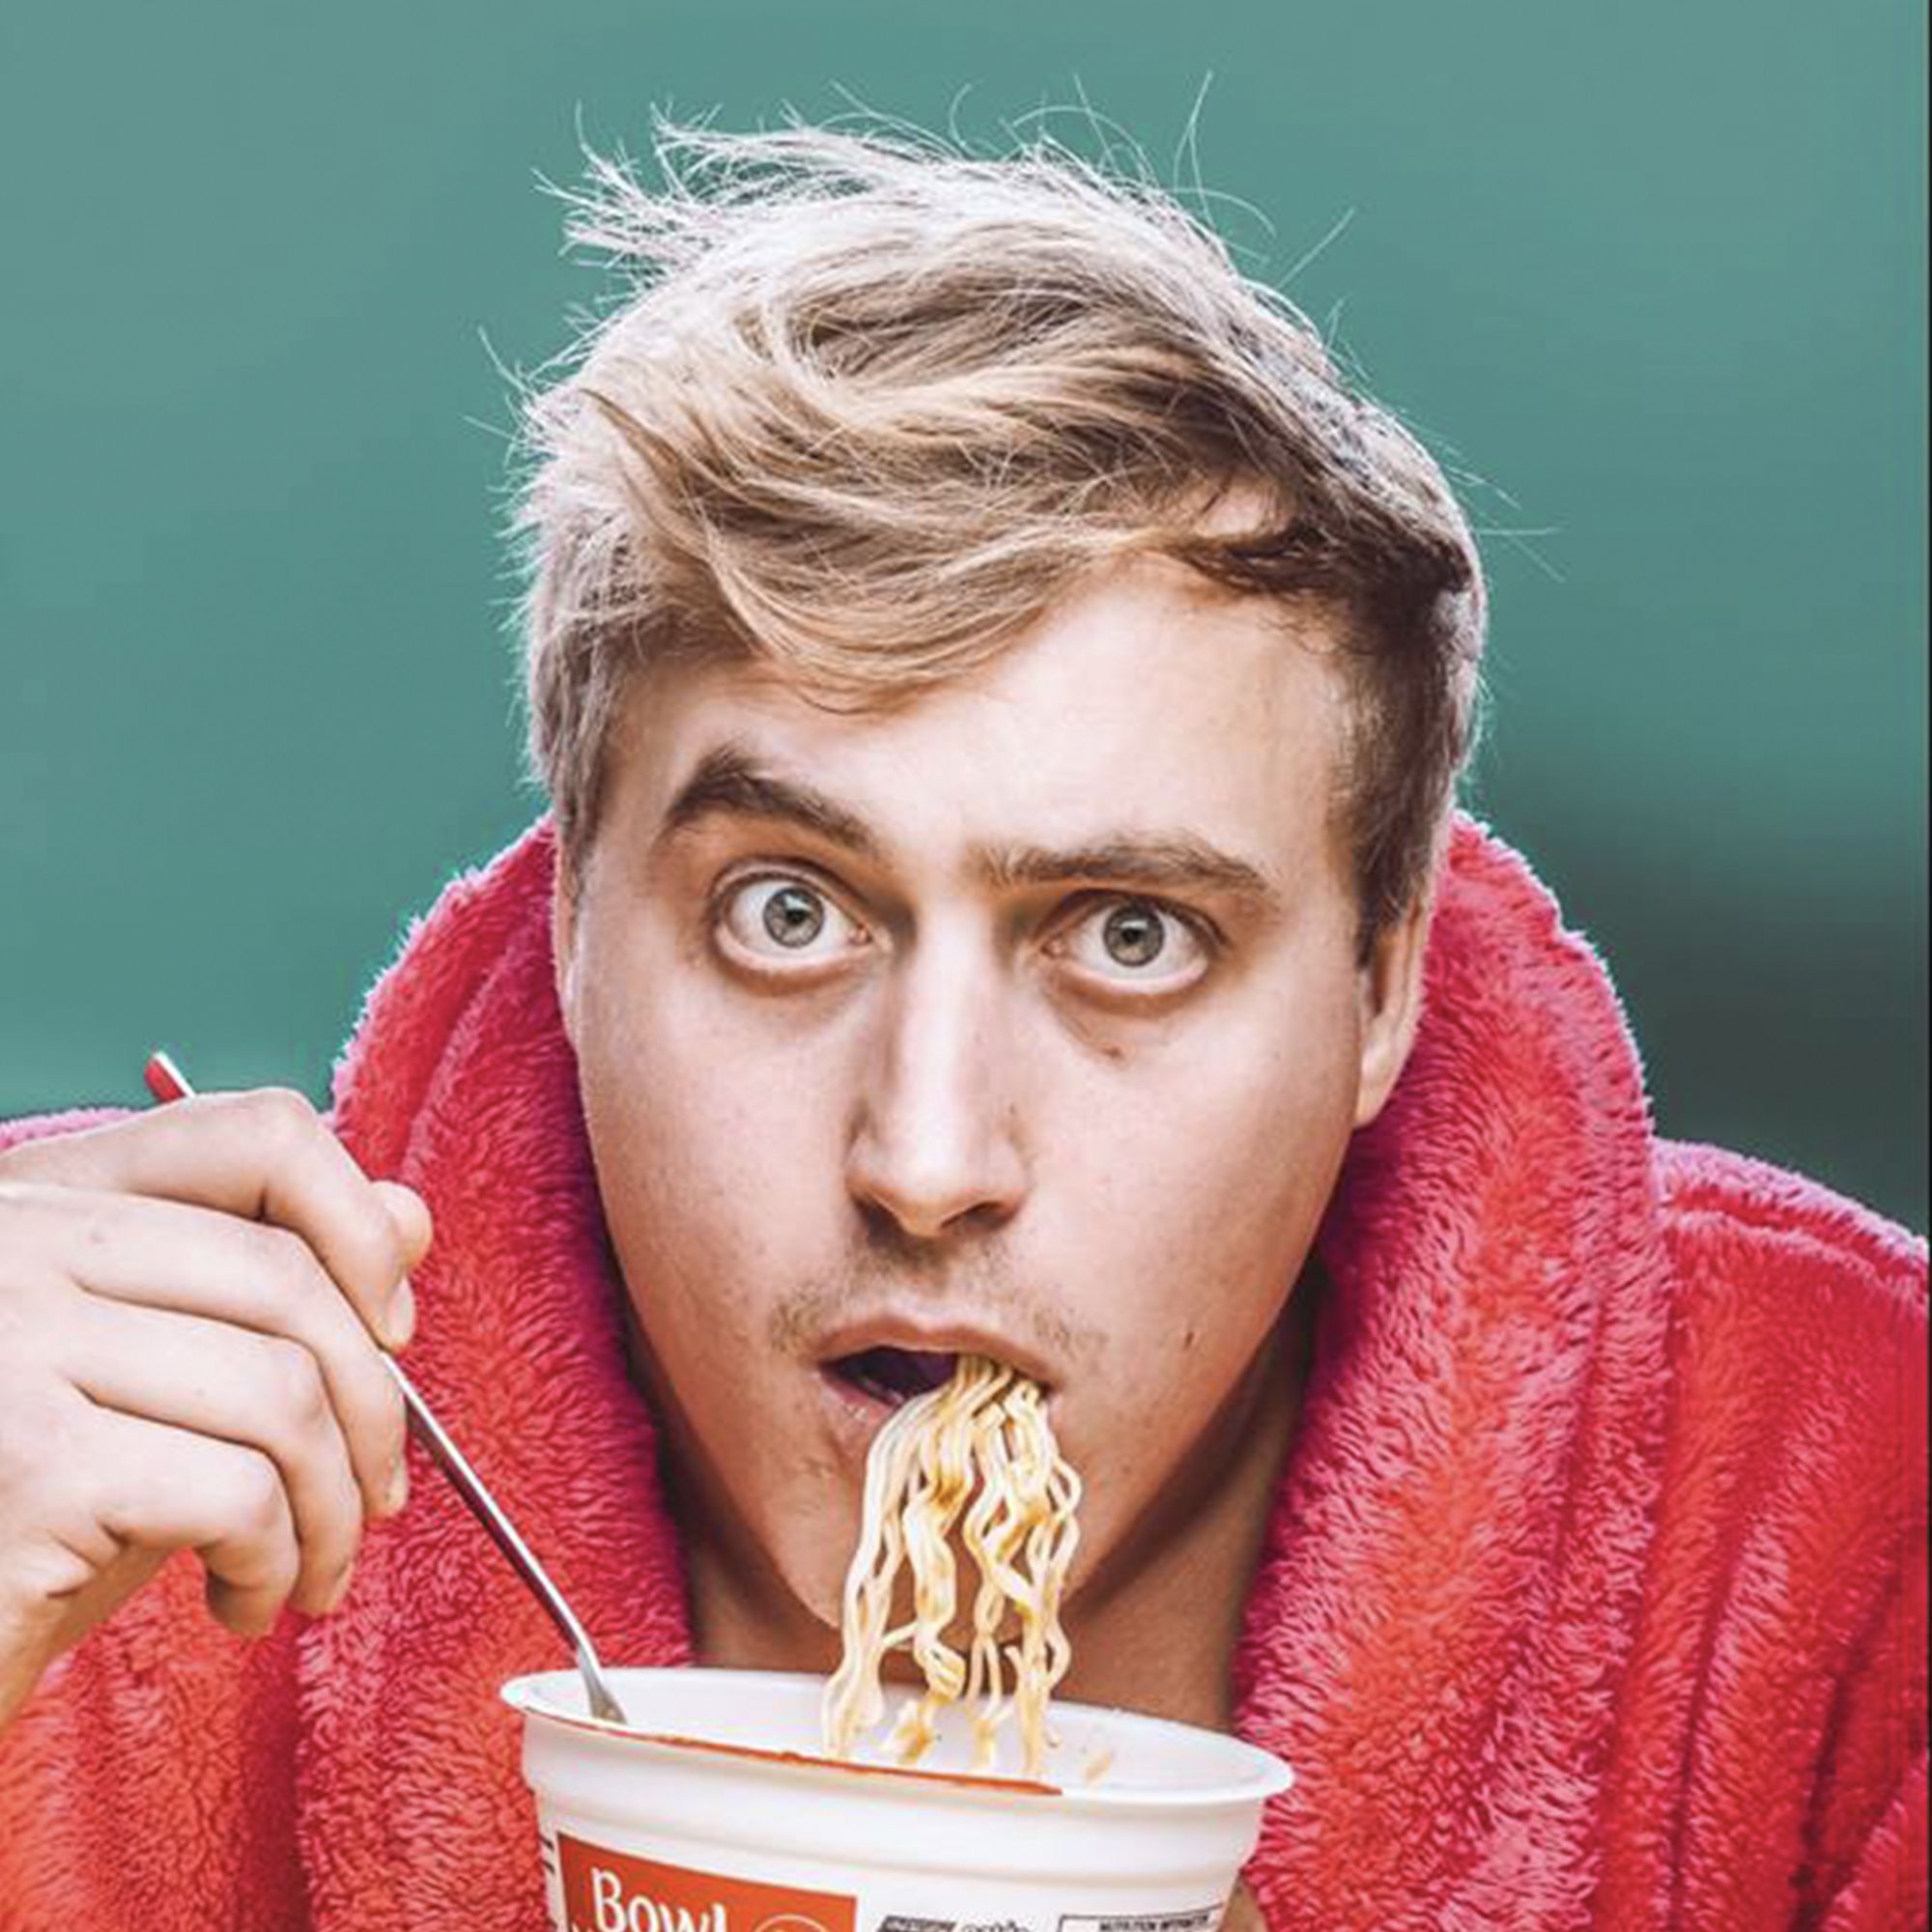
931	1337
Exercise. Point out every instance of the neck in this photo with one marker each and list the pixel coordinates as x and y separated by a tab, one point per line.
1154	1629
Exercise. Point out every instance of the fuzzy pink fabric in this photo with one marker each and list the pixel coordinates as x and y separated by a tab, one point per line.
1594	1594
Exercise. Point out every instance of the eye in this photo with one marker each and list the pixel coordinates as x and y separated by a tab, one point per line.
775	920
1137	943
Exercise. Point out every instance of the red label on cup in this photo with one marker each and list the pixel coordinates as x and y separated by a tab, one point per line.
611	1892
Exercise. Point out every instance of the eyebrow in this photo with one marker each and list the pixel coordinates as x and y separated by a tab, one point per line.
728	781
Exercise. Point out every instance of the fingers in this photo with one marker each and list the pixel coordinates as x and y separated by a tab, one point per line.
191	1303
262	1393
172	1489
264	1155
408	1213
195	1262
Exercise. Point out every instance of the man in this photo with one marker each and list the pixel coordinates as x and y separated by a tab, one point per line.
1001	697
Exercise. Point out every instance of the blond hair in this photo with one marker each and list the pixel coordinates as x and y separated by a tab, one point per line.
868	404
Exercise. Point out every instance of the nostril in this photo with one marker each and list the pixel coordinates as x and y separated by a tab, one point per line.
896	1233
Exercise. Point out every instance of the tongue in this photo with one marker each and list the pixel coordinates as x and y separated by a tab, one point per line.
930	1369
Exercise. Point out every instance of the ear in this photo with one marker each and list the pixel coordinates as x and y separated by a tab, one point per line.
1391	990
563	947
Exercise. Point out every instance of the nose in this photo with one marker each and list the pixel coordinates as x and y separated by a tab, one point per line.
934	1143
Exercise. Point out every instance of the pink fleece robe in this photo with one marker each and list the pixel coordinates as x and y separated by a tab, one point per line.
1594	1593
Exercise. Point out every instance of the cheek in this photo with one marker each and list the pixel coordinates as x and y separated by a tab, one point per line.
1204	1193
711	1141
715	1134
1223	1162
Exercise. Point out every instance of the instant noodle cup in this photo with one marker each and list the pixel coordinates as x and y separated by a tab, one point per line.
718	1813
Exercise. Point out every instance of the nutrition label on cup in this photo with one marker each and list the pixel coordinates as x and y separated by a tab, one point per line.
1164	1921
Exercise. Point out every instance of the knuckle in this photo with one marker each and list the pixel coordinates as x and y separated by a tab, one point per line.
368	1244
286	1262
299	1390
281	1567
384	1246
282	1119
259	1506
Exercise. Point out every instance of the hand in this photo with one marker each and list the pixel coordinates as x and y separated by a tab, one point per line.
186	1300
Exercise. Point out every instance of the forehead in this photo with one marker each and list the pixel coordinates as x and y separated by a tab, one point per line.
1146	703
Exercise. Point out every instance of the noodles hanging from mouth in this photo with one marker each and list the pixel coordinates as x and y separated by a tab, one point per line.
976	1455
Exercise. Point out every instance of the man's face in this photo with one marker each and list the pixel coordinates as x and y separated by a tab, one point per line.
1025	1020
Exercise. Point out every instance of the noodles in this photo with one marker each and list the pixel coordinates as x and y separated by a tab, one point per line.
984	1430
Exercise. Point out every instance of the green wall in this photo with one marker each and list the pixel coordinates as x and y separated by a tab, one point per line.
1654	273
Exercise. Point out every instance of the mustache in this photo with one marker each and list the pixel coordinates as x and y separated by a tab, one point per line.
899	1273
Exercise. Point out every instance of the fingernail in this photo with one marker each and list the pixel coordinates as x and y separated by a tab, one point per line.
397	1493
399	1320
335	1596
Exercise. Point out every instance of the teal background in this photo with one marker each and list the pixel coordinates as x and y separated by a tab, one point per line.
1654	273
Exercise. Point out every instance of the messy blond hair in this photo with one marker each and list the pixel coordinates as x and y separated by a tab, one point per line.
868	404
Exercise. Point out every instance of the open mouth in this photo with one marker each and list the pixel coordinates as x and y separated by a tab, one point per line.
894	1375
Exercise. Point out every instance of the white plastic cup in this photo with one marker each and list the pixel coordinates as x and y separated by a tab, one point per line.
718	1814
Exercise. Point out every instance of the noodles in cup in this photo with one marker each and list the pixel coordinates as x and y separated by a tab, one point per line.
976	1455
